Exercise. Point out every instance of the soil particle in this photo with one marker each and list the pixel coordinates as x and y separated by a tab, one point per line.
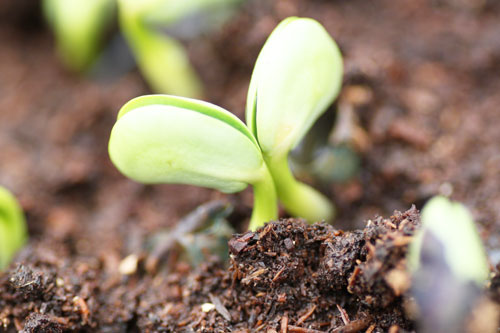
38	323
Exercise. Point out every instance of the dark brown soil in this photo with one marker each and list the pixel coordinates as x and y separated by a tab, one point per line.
422	79
286	276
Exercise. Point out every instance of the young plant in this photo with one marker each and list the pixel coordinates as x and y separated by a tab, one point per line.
78	27
13	232
451	224
448	266
297	76
167	139
161	59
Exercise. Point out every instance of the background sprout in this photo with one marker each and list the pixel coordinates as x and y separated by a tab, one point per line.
297	76
13	232
78	26
451	224
449	267
167	139
161	59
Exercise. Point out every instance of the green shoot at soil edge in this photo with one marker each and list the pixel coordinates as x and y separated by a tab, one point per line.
13	232
297	75
452	224
168	139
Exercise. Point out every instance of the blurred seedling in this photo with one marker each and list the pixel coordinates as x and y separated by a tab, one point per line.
149	27
168	139
449	266
79	27
13	232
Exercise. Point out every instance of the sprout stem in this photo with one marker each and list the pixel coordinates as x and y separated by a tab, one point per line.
265	202
161	59
298	198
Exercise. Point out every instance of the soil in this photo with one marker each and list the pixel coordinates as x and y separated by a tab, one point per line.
421	79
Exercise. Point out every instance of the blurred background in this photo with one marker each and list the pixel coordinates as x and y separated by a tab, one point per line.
418	114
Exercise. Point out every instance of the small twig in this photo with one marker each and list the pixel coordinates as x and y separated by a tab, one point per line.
221	309
371	328
343	315
296	329
278	274
252	276
306	315
352	279
284	323
354	326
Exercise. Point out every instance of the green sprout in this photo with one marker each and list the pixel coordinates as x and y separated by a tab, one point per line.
168	139
297	76
78	27
13	232
162	60
452	225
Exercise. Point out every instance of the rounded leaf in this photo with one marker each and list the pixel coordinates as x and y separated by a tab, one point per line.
167	139
13	232
452	225
297	75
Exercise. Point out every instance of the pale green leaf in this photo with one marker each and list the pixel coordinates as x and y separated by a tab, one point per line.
166	139
452	224
297	75
13	232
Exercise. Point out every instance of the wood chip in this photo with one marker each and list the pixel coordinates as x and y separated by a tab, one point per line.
284	323
352	279
278	274
306	315
343	315
219	307
297	329
354	326
252	276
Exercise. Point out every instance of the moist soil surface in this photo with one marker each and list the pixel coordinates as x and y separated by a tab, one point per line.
421	85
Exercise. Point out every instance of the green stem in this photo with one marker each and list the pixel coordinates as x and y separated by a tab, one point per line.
265	206
161	59
298	198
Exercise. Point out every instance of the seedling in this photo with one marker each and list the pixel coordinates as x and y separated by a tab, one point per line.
13	232
448	265
297	76
168	139
451	224
161	59
79	26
